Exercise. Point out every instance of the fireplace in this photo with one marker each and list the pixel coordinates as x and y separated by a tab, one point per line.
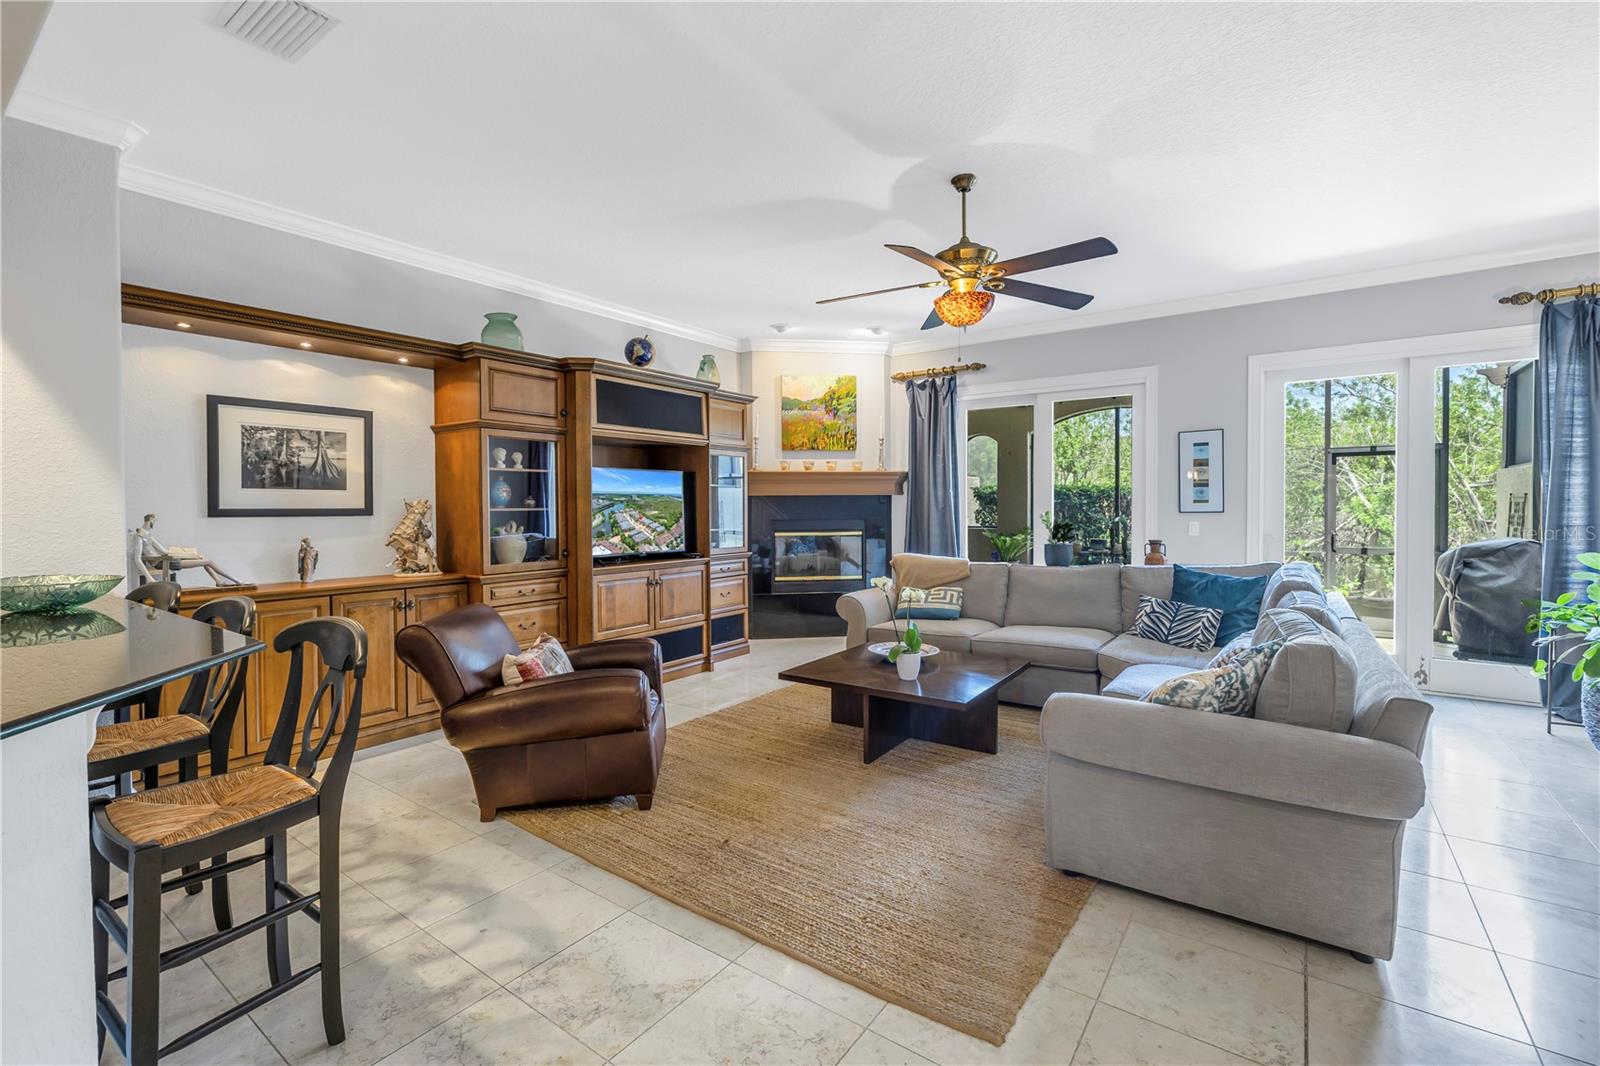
811	555
805	551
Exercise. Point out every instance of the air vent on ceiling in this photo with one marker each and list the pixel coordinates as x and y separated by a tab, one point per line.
286	28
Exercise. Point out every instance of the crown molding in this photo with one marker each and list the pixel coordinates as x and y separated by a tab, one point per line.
260	213
787	345
41	110
1464	264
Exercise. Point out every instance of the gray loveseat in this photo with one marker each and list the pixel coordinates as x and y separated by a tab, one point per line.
1291	819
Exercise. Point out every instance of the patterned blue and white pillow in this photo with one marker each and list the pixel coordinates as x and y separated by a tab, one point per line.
1229	689
942	602
1182	625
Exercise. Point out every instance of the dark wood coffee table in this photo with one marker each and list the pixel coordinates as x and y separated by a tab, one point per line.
955	701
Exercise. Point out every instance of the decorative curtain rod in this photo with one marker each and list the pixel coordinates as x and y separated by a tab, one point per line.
937	371
1546	296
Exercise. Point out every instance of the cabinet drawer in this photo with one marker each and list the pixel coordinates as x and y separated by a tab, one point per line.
727	592
527	590
530	623
732	566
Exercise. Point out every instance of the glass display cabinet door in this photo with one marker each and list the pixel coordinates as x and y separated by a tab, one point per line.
521	519
727	502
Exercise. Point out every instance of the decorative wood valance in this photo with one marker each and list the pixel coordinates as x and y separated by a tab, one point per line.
827	482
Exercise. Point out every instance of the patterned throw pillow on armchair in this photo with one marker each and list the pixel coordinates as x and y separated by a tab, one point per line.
546	658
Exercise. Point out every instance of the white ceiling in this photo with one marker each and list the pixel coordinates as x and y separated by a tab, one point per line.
725	165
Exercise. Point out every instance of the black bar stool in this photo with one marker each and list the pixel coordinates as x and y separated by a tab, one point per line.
155	832
204	723
160	596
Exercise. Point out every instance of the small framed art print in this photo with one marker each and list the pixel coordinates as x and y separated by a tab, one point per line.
1200	471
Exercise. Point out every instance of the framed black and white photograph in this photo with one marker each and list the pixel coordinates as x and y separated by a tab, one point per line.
265	457
1200	471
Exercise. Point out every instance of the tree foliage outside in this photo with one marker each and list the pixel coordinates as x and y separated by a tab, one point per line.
1363	412
1083	453
1086	474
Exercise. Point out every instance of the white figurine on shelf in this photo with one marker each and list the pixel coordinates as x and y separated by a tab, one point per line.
154	561
307	560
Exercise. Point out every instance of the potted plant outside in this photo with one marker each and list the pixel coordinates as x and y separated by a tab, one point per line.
1012	547
1568	631
1058	548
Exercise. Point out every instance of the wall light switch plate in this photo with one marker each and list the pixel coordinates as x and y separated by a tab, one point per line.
1194	529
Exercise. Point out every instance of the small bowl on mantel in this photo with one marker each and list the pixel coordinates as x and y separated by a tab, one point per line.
53	593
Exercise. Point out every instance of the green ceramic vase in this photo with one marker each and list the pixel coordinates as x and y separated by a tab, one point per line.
501	330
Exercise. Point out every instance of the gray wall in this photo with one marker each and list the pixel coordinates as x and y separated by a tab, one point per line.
61	380
171	246
1203	358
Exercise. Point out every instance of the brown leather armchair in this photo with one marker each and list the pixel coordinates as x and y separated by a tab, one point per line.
592	734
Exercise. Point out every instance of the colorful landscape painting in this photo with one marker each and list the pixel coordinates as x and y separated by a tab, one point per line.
818	412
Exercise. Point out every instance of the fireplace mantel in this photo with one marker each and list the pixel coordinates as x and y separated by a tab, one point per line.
827	482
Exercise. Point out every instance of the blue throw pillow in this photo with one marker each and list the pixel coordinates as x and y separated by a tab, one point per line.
1238	598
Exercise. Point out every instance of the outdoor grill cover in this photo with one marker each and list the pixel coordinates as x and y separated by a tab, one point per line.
1486	584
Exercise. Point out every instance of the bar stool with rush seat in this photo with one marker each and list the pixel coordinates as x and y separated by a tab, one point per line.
204	723
176	827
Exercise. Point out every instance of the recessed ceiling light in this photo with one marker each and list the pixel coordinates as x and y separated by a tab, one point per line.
305	344
876	331
781	327
184	325
403	359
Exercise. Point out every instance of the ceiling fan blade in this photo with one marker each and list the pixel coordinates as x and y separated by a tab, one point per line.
932	320
879	292
1093	248
1043	294
924	258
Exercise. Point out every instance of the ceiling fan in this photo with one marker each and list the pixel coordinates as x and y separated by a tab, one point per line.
970	273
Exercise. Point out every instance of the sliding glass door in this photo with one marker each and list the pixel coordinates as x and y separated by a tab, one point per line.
1409	482
1475	532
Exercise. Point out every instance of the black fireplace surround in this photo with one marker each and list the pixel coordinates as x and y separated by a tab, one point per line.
805	552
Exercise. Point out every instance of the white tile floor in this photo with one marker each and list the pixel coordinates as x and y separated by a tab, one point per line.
473	943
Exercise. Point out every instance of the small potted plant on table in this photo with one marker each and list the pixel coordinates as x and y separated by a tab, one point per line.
1568	631
1058	549
906	655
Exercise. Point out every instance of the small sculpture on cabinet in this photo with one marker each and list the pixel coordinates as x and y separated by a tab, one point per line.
154	561
412	553
306	560
1155	552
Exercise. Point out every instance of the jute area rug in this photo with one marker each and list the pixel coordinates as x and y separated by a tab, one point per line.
919	878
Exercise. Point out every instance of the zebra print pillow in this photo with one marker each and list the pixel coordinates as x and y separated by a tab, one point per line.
1182	625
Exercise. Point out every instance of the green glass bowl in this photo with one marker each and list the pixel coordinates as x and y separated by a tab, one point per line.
53	593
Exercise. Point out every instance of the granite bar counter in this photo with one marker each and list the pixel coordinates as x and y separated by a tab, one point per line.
56	672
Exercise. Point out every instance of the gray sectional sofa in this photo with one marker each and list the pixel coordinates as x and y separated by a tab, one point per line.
1292	818
1070	622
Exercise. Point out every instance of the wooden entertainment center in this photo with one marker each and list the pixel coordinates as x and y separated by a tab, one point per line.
517	437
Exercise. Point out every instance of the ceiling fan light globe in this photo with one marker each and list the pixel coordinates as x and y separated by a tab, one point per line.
959	309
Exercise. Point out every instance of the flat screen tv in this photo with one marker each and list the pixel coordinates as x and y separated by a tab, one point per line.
636	512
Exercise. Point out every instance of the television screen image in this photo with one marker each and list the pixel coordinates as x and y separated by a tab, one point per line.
636	512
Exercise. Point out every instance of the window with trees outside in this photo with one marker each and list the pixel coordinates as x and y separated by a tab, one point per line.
1339	489
983	481
1092	460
